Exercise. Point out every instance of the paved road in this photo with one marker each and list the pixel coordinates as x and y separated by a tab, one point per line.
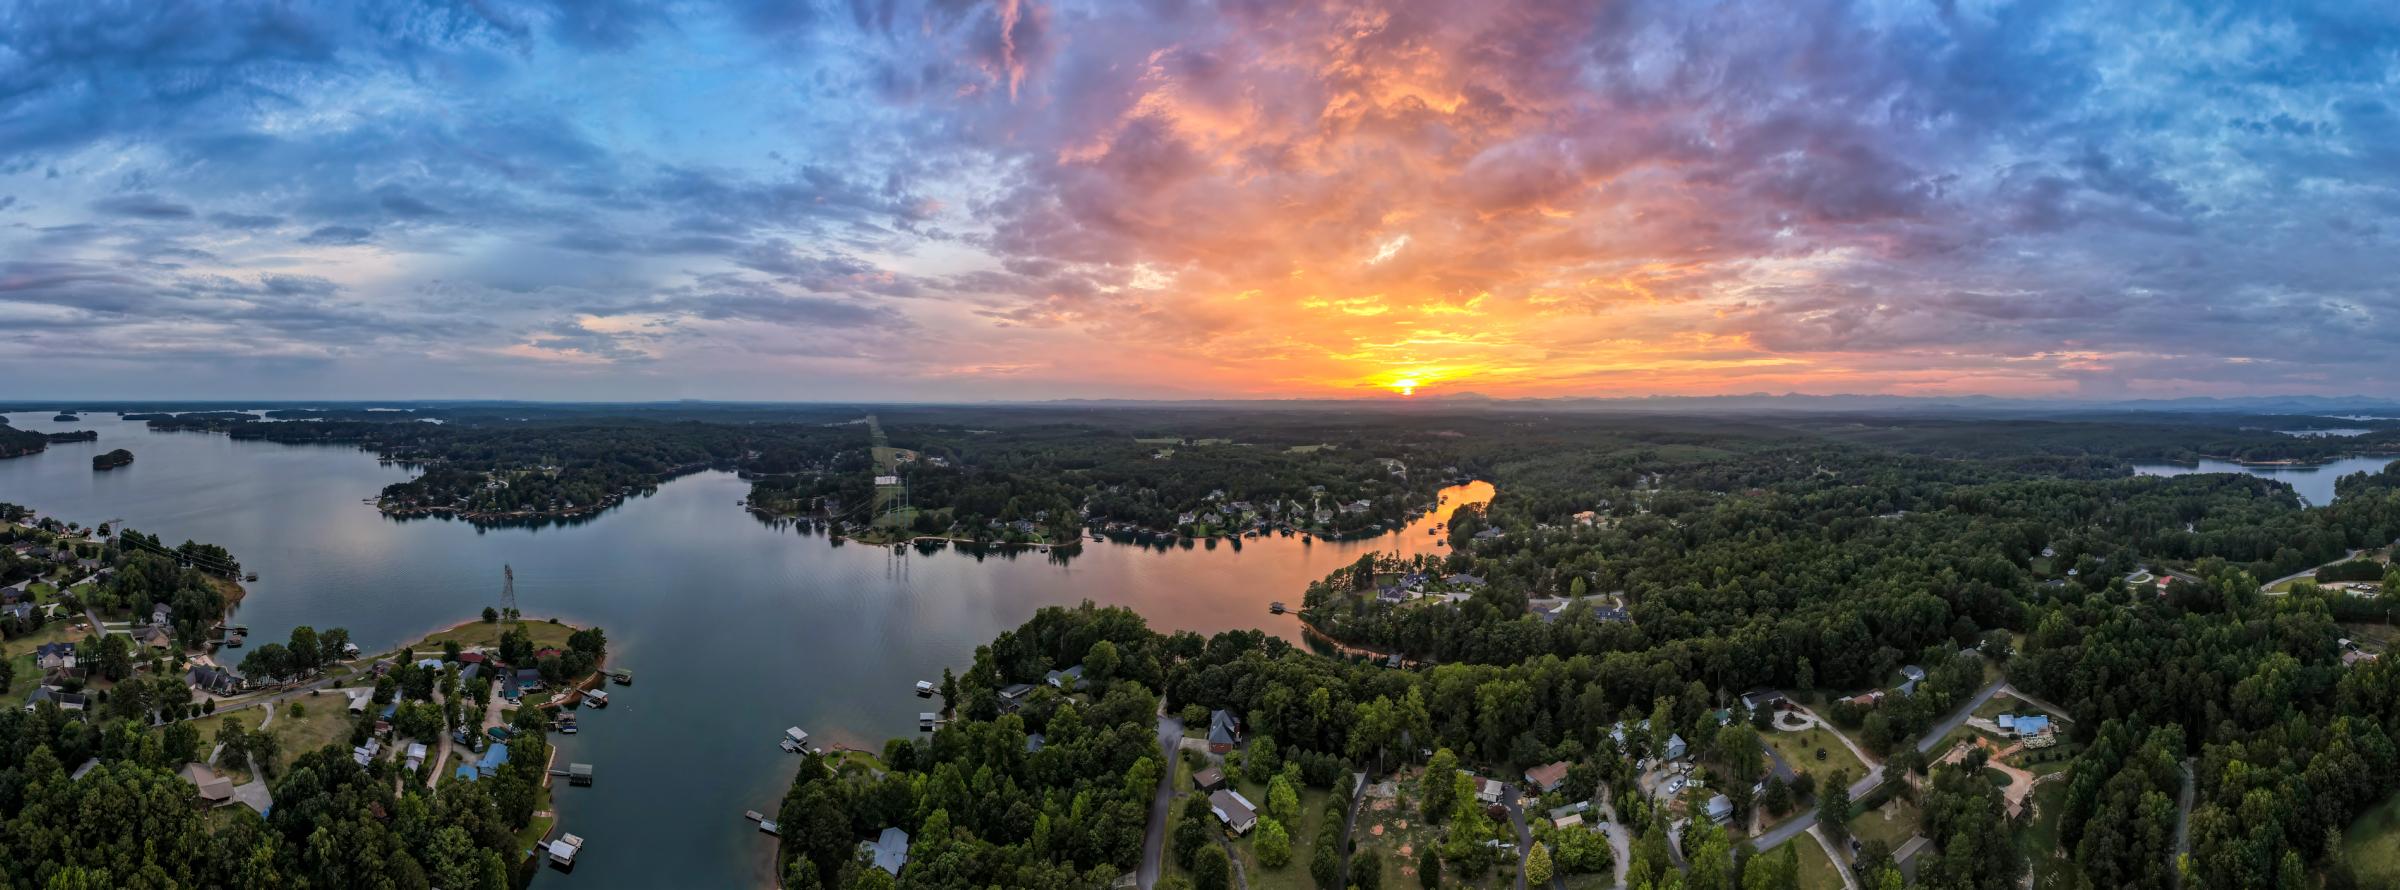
1620	841
1509	795
2309	572
2183	820
1841	863
1162	804
1791	828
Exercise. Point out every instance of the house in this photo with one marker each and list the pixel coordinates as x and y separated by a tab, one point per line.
66	701
1234	810
2354	658
1868	699
493	757
1587	517
470	658
359	699
1463	579
887	480
528	679
162	614
22	612
155	636
1548	777
415	756
1488	791
888	851
1763	698
1070	679
213	680
1720	809
1616	733
364	753
1676	747
55	658
1224	731
215	790
1210	779
2029	725
15	593
1612	614
1911	676
1013	695
1570	820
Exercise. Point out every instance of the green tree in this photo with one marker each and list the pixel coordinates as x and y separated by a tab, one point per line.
1537	865
1273	844
1211	870
1429	868
1833	805
1435	792
1283	803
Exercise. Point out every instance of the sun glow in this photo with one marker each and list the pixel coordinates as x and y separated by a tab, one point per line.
1406	386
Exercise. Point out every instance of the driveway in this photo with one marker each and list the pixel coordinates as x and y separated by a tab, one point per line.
1162	803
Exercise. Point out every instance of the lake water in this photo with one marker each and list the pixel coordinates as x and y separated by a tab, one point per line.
735	627
2315	482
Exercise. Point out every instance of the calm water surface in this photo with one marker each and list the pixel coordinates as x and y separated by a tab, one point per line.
2315	483
736	628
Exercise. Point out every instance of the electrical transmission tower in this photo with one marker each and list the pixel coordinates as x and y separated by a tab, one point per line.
508	594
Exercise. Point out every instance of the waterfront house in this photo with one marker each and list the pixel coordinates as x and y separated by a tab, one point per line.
1234	810
1070	679
213	680
1224	731
888	851
1548	777
1208	780
1013	695
487	767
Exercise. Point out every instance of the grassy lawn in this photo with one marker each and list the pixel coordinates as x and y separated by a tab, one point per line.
1817	871
324	720
1293	874
482	633
2373	844
1891	823
1800	750
211	725
2040	840
19	653
539	826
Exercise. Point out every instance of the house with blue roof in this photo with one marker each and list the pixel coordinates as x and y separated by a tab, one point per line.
493	757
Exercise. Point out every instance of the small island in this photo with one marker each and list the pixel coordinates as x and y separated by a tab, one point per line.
66	417
112	460
74	436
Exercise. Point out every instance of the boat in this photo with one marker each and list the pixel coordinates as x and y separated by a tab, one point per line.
927	720
233	642
623	676
567	728
768	826
924	688
597	698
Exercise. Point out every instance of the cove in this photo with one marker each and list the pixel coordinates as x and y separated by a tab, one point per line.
735	627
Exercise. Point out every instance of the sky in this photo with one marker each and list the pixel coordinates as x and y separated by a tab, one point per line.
1032	199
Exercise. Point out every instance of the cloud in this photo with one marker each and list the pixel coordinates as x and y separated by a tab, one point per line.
1213	196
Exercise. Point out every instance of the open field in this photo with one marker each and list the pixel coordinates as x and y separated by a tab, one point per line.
1800	750
19	653
2373	844
322	720
1891	823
